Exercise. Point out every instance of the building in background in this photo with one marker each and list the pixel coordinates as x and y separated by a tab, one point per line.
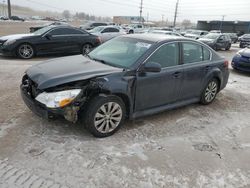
127	19
225	26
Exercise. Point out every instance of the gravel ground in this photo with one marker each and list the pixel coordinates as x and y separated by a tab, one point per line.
193	146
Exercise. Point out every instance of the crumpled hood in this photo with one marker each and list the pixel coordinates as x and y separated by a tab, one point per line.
15	37
245	52
68	69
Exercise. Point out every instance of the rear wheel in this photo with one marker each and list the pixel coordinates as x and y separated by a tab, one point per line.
104	115
86	48
25	51
210	92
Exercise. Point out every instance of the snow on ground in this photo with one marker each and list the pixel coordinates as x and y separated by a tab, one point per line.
193	146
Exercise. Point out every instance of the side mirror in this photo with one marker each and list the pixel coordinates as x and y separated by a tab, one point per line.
48	36
151	67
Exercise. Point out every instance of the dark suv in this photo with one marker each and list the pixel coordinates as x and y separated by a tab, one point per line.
127	77
245	40
217	41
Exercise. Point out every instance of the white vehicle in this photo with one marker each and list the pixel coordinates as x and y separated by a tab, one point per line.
107	32
165	32
135	28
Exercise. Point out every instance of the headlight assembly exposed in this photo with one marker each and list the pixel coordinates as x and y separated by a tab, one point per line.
58	99
9	42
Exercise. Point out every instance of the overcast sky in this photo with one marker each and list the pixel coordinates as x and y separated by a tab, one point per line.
156	9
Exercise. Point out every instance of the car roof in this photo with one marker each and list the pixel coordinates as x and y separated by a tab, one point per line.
155	38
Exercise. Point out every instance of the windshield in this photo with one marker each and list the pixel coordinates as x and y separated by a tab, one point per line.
196	32
42	30
120	52
211	36
97	29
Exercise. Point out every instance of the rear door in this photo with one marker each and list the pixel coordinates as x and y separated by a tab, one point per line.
196	63
157	89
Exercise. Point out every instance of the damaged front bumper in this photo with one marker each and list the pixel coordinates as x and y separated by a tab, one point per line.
69	112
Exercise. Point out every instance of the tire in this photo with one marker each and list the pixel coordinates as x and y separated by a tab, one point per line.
228	47
210	92
241	46
86	48
131	32
25	51
104	115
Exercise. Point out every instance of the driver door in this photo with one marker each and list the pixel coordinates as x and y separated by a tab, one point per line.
162	88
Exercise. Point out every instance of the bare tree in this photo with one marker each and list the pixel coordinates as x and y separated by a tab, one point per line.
186	23
66	14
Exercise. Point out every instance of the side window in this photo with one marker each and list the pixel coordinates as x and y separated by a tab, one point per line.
167	55
206	54
57	32
72	31
192	53
106	30
113	30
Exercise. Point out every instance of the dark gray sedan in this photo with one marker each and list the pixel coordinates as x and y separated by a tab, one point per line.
127	77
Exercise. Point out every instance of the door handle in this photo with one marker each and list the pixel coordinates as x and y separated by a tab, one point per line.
177	75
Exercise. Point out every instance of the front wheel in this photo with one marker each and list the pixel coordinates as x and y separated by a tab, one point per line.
104	115
25	51
210	92
228	47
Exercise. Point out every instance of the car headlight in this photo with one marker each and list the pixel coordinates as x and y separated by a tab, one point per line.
58	99
9	42
238	55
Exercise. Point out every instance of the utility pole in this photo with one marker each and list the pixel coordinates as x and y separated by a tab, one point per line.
176	12
162	19
141	11
9	9
223	16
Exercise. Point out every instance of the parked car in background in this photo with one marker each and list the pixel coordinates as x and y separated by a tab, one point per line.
188	31
3	18
48	40
241	61
165	32
215	31
107	32
118	80
16	18
244	40
233	37
217	41
35	28
92	25
135	28
196	34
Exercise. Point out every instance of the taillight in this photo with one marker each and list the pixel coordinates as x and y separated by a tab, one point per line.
99	40
226	63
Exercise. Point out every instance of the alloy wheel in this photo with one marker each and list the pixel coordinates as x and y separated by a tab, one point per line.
108	117
211	91
26	51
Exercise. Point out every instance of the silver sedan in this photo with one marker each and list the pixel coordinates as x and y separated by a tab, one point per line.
107	32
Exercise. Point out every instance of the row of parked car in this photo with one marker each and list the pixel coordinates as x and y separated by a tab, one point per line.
61	38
